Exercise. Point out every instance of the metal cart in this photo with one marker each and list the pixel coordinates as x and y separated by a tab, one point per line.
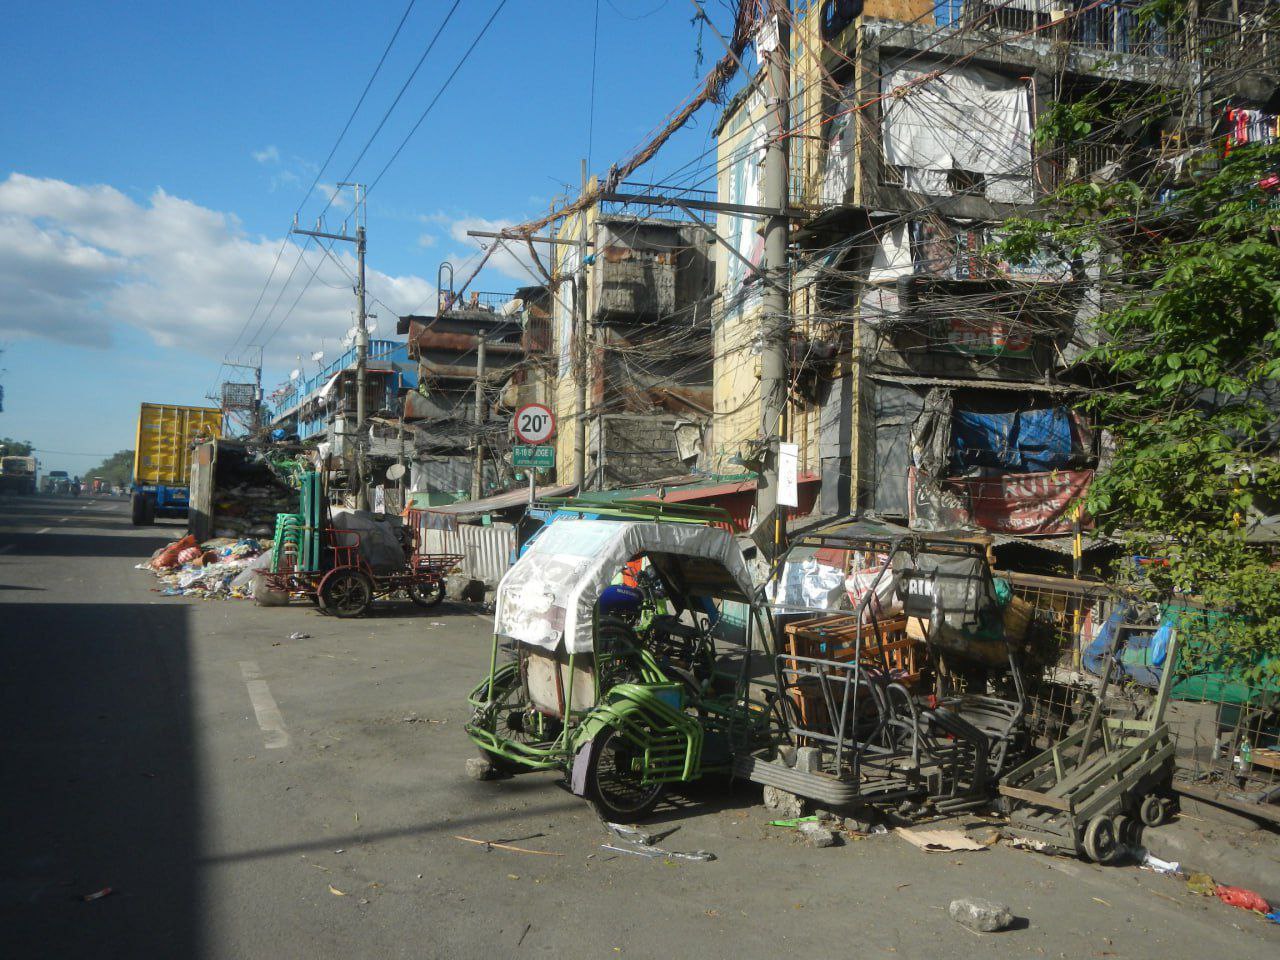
1087	792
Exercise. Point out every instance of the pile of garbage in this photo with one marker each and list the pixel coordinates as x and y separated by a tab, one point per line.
249	509
220	568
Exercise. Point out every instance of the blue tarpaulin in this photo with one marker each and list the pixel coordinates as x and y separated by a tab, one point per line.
1029	441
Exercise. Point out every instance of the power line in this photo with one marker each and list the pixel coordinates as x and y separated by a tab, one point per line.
445	86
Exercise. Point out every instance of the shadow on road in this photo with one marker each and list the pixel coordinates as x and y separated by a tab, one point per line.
100	783
56	544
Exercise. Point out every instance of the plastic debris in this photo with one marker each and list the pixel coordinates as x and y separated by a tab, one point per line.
795	823
299	635
1150	862
97	894
631	834
335	891
657	853
1242	898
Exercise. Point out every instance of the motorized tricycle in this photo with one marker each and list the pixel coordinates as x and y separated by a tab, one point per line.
624	694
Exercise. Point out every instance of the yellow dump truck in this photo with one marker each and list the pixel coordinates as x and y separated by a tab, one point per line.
162	457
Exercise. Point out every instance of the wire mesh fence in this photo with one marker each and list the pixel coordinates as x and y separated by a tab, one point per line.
1226	729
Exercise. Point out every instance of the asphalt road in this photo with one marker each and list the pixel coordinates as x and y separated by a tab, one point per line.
247	795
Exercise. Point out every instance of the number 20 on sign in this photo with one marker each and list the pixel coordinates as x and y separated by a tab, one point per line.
534	424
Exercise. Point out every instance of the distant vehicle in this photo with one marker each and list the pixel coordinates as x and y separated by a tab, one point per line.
162	458
57	483
18	474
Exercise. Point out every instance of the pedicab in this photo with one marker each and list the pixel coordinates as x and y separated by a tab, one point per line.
896	685
590	680
330	566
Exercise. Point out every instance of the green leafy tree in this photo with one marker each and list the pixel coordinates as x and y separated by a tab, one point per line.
1188	354
117	469
16	448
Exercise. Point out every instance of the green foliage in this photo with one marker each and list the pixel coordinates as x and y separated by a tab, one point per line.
1190	343
116	469
16	448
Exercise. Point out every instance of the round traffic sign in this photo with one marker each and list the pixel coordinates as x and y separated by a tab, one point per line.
534	423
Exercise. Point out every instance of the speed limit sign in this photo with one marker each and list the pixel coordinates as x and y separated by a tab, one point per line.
534	424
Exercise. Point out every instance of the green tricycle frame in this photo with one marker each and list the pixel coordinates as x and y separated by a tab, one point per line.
626	707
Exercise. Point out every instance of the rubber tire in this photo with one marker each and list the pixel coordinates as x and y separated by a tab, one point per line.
602	804
1152	810
138	512
333	579
1100	840
426	601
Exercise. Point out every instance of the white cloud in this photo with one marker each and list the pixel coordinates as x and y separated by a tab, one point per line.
75	261
268	154
511	260
427	239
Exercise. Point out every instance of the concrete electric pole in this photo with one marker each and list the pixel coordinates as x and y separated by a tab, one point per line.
478	418
772	43
362	336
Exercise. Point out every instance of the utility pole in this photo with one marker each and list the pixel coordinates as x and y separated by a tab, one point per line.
580	345
774	306
478	418
362	333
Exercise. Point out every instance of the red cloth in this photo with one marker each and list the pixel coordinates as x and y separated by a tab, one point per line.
1242	898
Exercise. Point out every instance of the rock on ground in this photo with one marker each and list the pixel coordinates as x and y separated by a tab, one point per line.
816	835
984	916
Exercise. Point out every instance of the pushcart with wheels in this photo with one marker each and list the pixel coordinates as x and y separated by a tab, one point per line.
1088	793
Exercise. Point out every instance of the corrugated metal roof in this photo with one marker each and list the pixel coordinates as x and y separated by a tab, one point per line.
503	501
974	384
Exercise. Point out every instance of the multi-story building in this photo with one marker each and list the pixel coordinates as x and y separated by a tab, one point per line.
631	323
440	413
930	380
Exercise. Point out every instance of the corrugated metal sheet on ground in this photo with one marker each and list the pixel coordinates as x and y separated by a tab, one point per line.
486	549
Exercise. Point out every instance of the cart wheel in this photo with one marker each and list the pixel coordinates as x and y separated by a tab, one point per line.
427	595
1100	840
1151	812
346	592
613	787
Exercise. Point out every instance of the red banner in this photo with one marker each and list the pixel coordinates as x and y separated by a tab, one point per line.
1025	503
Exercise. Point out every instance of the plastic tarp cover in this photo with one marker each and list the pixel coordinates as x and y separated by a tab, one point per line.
1028	441
379	537
960	118
548	595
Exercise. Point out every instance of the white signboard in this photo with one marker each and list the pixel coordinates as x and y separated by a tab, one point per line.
788	482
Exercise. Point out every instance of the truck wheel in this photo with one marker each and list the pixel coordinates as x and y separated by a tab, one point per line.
139	511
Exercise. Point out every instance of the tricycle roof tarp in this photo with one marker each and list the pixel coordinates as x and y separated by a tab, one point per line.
549	594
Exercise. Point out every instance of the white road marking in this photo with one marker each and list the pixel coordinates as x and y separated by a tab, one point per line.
63	519
44	530
264	706
7	547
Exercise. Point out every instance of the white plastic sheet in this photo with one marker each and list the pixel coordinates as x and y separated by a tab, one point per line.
549	594
959	118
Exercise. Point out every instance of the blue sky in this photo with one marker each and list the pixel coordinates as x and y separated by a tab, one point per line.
155	154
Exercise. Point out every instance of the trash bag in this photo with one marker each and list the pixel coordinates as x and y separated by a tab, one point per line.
380	539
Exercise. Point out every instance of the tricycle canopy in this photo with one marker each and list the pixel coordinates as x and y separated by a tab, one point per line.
548	595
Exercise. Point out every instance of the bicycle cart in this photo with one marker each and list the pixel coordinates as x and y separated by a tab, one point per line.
327	565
